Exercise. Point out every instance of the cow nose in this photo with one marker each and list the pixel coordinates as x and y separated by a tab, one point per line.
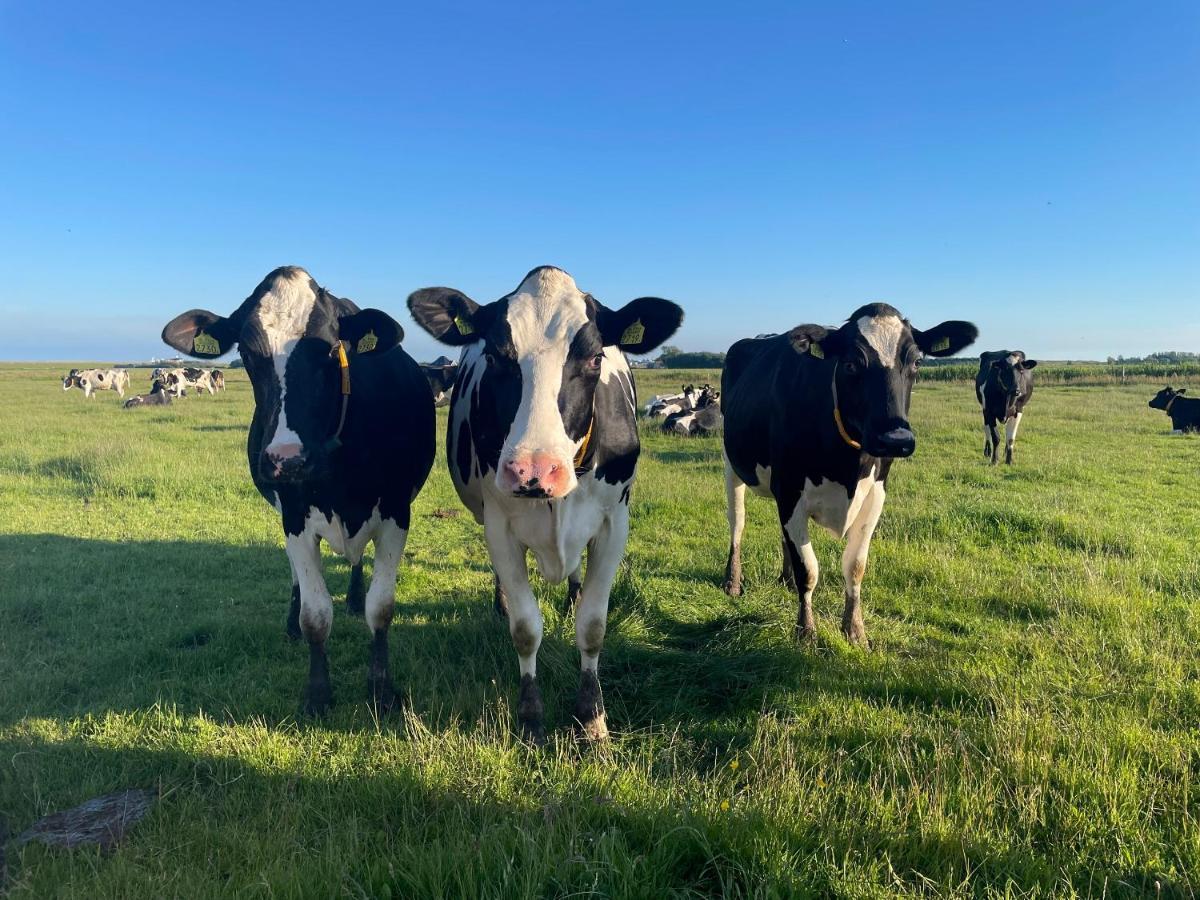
898	442
283	462
538	474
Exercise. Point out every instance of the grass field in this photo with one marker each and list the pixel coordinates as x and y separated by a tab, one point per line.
1025	724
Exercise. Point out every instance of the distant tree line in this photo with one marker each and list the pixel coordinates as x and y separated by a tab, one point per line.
1166	356
674	358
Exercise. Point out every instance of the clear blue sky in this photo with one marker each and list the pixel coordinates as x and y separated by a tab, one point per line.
1034	167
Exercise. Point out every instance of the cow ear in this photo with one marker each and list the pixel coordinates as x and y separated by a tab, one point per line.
811	339
450	316
640	325
1029	364
370	331
1181	391
201	333
945	339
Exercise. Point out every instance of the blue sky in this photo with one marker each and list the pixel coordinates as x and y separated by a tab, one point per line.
1033	167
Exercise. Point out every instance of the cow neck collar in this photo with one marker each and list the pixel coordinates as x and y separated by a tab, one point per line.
1170	403
587	439
344	364
837	415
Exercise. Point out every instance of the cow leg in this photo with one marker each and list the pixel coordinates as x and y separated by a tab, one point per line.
854	564
803	562
991	426
1010	434
987	440
787	577
380	605
605	552
293	619
357	591
499	598
735	512
524	620
316	617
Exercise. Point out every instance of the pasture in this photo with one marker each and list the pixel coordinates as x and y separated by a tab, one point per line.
1025	723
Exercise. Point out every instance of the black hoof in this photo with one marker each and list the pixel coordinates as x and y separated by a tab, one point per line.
533	733
591	725
383	696
318	700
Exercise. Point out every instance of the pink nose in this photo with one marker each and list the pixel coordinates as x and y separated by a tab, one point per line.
536	474
284	451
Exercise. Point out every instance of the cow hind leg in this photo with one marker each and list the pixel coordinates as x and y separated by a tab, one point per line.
805	573
787	576
1010	437
994	441
357	592
854	565
380	606
735	512
591	621
316	618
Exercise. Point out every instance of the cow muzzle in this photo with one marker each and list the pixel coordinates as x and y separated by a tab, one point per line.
284	463
896	443
538	475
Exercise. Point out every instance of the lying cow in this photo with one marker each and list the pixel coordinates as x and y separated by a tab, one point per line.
91	380
1003	386
341	441
1184	411
669	404
441	382
813	419
543	446
158	396
705	419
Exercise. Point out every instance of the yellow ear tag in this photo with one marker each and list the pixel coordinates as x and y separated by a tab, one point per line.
206	344
942	344
815	350
464	327
367	342
634	333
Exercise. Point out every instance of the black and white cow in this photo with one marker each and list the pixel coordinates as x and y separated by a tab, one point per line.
441	382
1003	386
813	419
669	404
704	419
179	380
158	396
1184	411
542	446
218	379
341	441
91	380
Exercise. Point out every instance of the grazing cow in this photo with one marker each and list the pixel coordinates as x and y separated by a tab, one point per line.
91	380
341	441
1184	411
158	396
1003	386
217	377
179	380
813	419
542	446
441	382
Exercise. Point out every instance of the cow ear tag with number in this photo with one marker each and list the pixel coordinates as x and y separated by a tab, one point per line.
464	327
367	343
815	349
942	344
206	343
634	333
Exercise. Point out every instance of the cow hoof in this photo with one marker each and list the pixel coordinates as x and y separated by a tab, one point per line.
590	722
533	733
857	635
383	696
805	635
592	732
733	590
318	701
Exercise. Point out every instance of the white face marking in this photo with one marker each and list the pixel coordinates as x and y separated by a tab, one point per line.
283	314
544	315
883	333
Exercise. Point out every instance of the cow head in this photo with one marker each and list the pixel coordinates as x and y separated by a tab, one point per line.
1164	397
1007	380
287	332
545	346
875	356
71	379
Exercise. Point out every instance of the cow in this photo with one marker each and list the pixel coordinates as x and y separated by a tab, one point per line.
814	419
706	418
1184	411
1003	386
542	445
341	441
180	379
158	396
441	382
217	377
670	404
91	380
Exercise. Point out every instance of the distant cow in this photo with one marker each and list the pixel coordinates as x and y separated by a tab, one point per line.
1003	386
706	418
218	379
813	419
158	396
341	441
668	404
543	447
1184	411
92	380
178	380
441	382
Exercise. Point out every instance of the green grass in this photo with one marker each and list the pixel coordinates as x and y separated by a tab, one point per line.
1025	723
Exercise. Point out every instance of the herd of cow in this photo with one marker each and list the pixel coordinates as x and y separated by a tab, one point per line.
164	383
542	444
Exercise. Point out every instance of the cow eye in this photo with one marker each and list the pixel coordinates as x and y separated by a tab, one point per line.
594	362
852	366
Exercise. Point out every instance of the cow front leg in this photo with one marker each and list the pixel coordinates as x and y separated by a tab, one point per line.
787	576
993	430
499	598
524	620
854	564
1010	437
605	552
316	618
380	606
293	618
735	513
803	562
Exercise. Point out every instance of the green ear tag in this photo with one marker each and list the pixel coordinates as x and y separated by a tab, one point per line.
634	333
815	349
942	344
367	342
206	344
464	327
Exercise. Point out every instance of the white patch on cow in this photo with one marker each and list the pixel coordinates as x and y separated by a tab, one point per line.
1011	427
544	315
283	314
763	488
883	333
831	507
735	502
